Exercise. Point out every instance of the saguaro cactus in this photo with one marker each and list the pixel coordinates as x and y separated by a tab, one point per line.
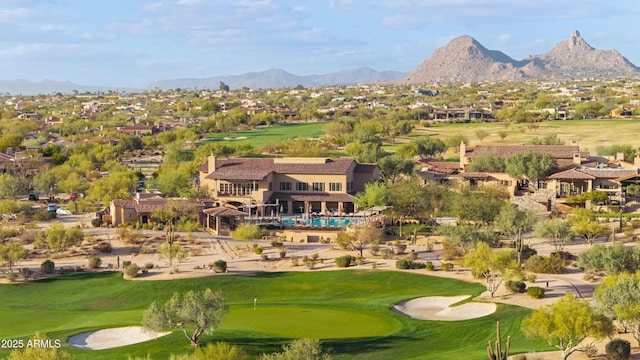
495	350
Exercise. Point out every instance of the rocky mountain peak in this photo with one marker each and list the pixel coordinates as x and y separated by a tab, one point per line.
464	59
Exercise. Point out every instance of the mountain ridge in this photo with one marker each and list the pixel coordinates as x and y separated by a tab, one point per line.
464	59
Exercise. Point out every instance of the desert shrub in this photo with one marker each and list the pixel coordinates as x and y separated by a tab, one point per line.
11	276
94	262
447	266
131	270
618	349
450	251
399	248
515	286
429	266
564	255
527	252
47	267
148	265
374	249
552	264
628	230
387	253
264	257
535	292
410	264
96	222
531	278
283	252
412	255
295	260
276	243
103	247
44	215
220	266
257	250
344	261
126	263
8	232
430	244
26	273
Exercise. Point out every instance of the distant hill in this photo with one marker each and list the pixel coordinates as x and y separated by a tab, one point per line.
464	59
26	87
277	78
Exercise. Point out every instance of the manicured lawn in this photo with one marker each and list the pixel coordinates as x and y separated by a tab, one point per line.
273	134
348	310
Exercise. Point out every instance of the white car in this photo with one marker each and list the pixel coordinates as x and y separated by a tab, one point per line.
63	212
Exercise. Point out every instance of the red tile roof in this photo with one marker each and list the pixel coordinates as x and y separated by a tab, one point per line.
571	174
224	211
258	169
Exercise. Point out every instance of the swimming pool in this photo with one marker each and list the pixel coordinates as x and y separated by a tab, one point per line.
322	222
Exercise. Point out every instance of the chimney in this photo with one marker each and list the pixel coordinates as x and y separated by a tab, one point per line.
211	164
9	150
576	158
463	154
619	156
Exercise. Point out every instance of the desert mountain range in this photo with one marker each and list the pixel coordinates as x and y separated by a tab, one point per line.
464	59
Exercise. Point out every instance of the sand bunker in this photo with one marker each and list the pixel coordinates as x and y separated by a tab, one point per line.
439	308
114	337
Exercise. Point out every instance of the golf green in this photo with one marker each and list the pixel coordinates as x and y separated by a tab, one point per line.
309	321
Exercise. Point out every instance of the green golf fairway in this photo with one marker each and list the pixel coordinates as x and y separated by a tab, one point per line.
348	310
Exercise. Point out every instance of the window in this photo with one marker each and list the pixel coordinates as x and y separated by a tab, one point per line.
335	186
301	186
318	186
285	186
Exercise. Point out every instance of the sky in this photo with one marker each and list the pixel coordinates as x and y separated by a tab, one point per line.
136	42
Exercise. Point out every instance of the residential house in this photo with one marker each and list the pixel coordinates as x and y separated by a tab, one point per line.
271	187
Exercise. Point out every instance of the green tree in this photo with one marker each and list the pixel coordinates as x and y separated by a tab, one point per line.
491	266
555	230
119	184
58	238
301	349
565	323
619	297
584	225
465	237
628	150
172	252
612	259
247	232
195	313
12	252
10	141
531	165
45	183
374	194
223	87
478	205
633	190
481	134
423	147
393	167
11	186
551	139
410	199
514	223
